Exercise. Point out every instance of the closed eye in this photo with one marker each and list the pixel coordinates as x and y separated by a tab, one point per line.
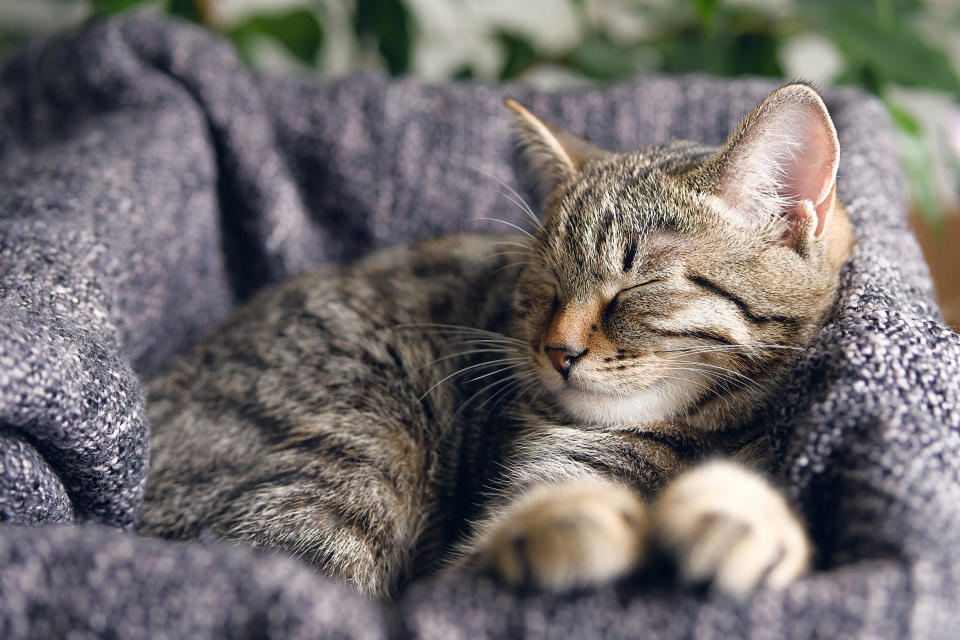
608	309
642	284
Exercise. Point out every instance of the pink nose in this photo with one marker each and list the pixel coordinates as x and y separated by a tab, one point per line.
563	357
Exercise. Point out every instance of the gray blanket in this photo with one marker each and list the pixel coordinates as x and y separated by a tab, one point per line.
148	184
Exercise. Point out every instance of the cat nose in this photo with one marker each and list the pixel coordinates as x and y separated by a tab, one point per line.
563	357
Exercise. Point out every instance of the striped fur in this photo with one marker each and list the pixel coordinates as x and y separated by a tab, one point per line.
377	419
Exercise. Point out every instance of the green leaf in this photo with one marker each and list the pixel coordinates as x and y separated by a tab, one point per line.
388	24
519	54
880	51
106	7
917	158
298	31
596	57
464	72
903	120
706	10
741	41
186	9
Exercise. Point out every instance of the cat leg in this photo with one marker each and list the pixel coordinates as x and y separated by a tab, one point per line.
558	520
575	533
723	523
728	526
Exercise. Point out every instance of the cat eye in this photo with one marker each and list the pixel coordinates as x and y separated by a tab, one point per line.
642	284
610	305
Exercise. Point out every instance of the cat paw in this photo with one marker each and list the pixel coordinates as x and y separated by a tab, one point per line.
576	534
727	526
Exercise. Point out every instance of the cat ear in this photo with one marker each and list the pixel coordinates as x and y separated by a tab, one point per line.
554	154
781	163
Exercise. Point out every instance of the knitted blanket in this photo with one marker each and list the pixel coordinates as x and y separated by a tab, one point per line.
148	184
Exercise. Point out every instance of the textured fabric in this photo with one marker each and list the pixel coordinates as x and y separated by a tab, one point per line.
148	184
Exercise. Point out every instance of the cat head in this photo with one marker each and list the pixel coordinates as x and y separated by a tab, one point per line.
678	281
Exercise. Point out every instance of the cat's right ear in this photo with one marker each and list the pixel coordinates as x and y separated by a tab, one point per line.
781	164
555	155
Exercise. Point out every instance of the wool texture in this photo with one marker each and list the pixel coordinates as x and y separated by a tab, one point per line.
149	184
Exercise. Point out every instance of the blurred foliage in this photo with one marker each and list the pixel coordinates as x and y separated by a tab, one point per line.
883	44
385	24
297	30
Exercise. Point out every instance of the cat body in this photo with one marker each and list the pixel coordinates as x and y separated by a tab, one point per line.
543	415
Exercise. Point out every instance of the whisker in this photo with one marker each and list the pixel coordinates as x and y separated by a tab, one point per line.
488	337
735	377
501	394
713	377
513	244
733	348
507	368
509	224
529	381
471	398
714	374
459	372
510	266
715	366
536	395
510	253
497	254
700	384
523	207
461	354
520	201
455	327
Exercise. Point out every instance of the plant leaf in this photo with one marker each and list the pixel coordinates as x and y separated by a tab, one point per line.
106	7
519	54
884	51
186	9
706	10
297	30
597	57
388	23
917	158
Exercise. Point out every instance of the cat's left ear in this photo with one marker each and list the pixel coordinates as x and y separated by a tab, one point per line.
555	154
781	163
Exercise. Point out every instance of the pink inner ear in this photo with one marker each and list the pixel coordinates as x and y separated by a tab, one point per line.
809	172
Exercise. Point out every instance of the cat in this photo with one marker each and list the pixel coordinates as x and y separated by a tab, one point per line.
552	418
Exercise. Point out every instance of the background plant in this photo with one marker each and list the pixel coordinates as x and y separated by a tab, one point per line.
900	50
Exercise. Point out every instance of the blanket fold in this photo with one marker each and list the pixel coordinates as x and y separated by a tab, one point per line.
149	184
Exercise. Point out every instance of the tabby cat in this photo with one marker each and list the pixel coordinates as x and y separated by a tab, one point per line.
552	418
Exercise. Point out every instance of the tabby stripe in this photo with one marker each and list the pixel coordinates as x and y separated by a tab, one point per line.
700	334
320	445
744	308
276	434
624	463
606	226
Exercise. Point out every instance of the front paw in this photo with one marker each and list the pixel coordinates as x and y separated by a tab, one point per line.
575	534
727	526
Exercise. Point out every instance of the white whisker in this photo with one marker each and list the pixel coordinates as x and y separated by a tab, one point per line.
459	372
509	224
492	373
516	199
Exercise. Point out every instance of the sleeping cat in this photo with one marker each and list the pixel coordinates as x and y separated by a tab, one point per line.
550	406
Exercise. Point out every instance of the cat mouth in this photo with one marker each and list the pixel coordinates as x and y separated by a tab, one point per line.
590	390
617	405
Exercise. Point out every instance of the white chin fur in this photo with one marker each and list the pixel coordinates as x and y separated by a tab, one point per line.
661	401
